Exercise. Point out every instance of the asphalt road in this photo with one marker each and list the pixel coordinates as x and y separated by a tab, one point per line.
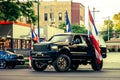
83	74
110	71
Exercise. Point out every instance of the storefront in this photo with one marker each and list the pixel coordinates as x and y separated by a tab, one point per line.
113	44
14	36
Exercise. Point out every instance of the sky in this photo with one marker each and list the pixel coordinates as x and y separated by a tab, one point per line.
106	8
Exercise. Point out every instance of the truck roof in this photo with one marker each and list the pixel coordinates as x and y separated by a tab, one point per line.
71	34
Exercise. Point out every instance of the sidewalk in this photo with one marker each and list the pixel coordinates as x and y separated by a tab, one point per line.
112	60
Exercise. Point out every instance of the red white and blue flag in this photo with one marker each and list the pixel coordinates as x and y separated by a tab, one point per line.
30	59
35	38
93	35
68	27
34	35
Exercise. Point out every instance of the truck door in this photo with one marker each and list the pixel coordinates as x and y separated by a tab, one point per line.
80	47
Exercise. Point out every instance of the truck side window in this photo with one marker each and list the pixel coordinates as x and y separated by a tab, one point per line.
77	39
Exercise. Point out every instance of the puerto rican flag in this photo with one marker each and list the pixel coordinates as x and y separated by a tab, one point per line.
93	35
34	36
68	27
30	60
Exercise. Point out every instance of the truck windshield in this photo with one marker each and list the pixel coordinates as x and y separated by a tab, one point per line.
61	38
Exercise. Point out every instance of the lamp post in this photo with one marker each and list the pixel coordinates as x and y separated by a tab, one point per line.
38	19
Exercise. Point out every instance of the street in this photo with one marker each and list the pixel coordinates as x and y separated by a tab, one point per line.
110	71
83	74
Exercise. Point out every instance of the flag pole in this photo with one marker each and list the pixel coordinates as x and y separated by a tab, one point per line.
38	20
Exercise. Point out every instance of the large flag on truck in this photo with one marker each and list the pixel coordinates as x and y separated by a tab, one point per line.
68	27
93	35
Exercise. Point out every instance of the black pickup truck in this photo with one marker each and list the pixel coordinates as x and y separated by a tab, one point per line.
65	52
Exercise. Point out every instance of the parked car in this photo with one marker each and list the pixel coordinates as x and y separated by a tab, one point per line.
10	59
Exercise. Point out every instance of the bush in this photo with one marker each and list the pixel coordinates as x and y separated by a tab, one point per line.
113	49
109	50
119	50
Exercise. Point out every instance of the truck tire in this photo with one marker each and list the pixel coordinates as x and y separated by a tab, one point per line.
95	65
38	66
62	63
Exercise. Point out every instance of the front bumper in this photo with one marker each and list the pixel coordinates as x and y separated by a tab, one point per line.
16	62
44	56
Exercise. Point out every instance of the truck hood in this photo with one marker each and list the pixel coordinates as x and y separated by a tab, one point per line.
48	42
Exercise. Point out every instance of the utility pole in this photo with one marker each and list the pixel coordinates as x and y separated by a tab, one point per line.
38	19
108	25
94	12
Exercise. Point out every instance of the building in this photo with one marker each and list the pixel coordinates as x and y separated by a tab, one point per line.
53	12
114	43
14	35
17	36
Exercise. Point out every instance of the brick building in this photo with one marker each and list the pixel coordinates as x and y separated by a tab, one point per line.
53	12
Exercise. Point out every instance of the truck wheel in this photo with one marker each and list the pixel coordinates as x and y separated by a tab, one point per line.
3	64
38	66
95	65
63	63
74	66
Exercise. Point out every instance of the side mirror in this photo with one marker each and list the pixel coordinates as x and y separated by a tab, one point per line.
71	43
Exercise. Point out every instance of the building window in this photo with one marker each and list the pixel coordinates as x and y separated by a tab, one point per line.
81	18
27	20
51	17
15	44
45	17
21	19
60	16
19	44
65	16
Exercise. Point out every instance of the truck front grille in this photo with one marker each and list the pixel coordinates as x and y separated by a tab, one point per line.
40	47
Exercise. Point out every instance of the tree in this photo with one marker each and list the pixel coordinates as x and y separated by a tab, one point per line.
116	19
108	29
109	23
75	28
79	29
26	9
11	10
62	26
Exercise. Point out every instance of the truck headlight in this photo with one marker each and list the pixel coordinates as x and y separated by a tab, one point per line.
54	47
